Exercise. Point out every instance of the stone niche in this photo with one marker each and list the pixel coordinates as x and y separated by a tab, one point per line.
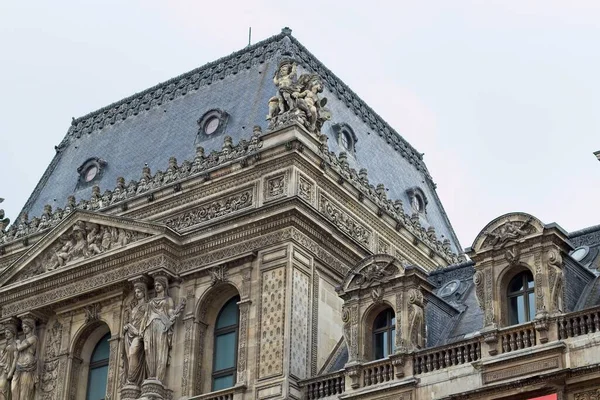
375	284
510	245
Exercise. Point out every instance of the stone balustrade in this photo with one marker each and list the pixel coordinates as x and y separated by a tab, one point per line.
579	323
376	372
447	356
516	338
225	394
325	385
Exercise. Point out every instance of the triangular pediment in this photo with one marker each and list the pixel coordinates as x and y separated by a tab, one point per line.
81	237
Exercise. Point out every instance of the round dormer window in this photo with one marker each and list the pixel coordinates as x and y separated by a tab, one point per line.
91	173
211	125
579	253
449	288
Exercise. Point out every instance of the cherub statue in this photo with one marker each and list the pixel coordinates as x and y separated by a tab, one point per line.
308	101
285	80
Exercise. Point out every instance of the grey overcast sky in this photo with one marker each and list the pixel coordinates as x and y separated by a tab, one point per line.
503	97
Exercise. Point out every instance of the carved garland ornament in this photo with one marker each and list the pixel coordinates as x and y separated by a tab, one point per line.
345	222
215	209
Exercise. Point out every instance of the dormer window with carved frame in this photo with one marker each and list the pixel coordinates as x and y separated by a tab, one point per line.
212	123
345	137
90	172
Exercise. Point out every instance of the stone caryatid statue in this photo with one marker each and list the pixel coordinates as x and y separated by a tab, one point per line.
157	330
134	357
297	99
23	381
8	360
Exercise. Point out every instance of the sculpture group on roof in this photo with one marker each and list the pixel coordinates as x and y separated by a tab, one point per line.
297	99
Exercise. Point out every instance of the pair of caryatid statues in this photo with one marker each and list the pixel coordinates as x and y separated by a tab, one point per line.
18	362
148	333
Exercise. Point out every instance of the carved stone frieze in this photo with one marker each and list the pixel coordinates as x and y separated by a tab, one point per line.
97	281
82	241
508	231
224	206
372	271
346	223
305	189
593	394
276	186
393	208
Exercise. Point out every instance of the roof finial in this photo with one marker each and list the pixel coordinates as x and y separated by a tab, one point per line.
286	31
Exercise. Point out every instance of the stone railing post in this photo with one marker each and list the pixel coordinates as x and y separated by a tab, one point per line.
489	342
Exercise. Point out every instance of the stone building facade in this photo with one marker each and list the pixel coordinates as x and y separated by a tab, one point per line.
302	257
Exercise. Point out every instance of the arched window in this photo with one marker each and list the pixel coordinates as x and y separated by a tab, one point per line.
98	375
226	343
384	334
521	298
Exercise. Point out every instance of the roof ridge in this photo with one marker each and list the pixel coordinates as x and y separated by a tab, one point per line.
79	124
584	231
357	110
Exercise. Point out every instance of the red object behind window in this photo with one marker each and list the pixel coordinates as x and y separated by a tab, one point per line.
547	397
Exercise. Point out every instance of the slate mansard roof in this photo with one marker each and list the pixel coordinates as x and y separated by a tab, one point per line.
162	122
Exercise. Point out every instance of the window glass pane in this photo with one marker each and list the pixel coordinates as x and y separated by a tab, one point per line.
517	310
229	314
97	383
386	350
531	306
530	283
393	340
381	320
102	350
379	345
225	348
223	382
516	284
393	320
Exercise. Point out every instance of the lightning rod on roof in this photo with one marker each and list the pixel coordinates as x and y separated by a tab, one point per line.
249	35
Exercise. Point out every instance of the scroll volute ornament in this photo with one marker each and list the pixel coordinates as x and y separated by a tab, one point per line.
416	319
555	280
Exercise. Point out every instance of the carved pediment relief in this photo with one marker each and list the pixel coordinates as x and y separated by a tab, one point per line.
373	271
507	229
82	236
